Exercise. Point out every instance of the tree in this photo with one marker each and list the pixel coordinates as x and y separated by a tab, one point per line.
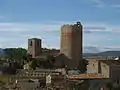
83	65
29	57
50	61
15	53
51	58
117	88
33	64
109	85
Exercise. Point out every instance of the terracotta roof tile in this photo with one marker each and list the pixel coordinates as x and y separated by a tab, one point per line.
111	62
87	76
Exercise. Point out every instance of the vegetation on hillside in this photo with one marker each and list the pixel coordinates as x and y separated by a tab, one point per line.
20	57
15	53
83	65
112	86
46	63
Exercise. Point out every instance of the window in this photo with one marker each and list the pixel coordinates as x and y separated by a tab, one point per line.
117	80
37	43
30	43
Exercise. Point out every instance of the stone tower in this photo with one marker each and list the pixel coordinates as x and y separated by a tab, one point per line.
34	47
71	44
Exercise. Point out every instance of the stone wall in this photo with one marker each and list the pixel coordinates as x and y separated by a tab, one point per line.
92	66
71	44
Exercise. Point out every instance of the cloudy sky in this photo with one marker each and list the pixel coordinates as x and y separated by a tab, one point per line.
23	19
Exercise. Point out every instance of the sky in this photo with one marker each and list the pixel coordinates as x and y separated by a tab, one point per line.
23	19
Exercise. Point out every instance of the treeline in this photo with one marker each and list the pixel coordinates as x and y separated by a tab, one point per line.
19	57
15	53
19	53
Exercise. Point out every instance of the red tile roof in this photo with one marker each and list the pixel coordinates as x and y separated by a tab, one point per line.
87	76
110	62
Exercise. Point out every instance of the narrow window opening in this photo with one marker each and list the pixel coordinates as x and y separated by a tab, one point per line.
37	43
117	80
30	43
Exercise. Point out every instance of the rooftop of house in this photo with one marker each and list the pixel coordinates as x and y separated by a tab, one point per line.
96	58
111	62
108	62
44	55
100	57
87	76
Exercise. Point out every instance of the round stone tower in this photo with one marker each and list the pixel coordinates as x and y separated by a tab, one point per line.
71	44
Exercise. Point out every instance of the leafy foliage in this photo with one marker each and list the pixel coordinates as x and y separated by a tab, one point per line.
112	86
44	63
109	85
33	64
15	53
50	61
83	65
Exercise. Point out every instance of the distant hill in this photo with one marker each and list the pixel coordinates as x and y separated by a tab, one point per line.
3	52
106	53
89	54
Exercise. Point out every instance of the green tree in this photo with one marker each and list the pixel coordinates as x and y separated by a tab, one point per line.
117	88
50	61
83	65
15	53
33	64
51	58
109	85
